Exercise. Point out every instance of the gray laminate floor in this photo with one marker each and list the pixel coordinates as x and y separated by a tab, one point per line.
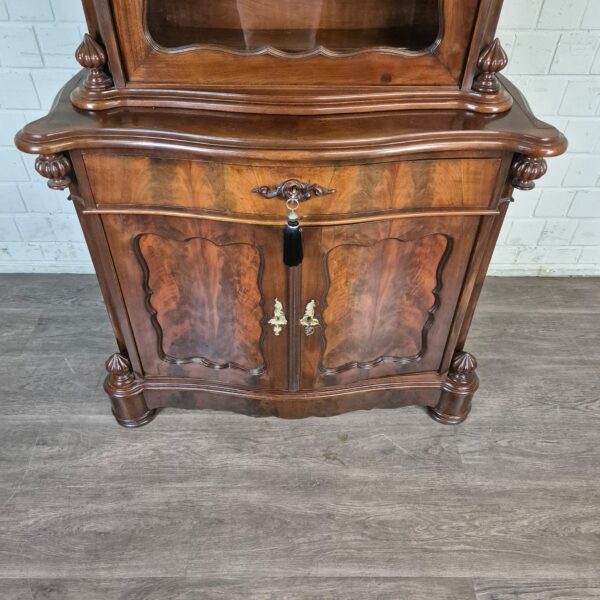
371	505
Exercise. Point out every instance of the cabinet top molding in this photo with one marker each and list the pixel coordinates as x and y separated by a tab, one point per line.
274	138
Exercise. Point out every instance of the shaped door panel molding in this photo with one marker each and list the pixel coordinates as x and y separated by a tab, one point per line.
198	295
213	313
381	296
383	312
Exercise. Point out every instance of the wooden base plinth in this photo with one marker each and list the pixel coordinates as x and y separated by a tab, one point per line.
128	403
137	402
451	411
454	405
132	423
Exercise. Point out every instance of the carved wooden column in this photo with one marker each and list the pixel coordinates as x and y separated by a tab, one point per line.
129	406
492	60
526	171
56	168
462	382
91	55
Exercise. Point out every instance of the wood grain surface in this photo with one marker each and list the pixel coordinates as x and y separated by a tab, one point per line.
208	309
322	57
377	504
286	139
441	65
380	318
385	295
222	189
202	318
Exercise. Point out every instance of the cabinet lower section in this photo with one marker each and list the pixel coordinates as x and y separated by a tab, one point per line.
201	297
209	315
447	397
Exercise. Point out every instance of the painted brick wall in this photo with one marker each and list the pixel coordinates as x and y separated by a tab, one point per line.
39	231
554	57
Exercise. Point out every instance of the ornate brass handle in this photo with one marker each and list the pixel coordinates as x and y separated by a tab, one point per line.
293	189
308	321
292	192
278	319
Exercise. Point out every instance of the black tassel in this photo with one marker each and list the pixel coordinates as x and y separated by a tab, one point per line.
292	242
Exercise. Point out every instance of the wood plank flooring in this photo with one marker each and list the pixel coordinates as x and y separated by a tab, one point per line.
378	505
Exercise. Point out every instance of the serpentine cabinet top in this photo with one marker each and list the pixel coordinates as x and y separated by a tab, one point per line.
314	139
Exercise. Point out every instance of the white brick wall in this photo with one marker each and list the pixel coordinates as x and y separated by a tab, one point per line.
554	48
554	51
39	231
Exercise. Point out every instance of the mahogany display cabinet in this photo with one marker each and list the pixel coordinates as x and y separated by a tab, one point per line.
291	207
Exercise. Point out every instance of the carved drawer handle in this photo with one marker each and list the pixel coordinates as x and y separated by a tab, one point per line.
308	321
293	189
278	319
292	192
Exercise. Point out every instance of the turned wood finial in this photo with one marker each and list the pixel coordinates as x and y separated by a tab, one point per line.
119	371
491	61
462	368
91	55
129	406
56	168
526	170
455	401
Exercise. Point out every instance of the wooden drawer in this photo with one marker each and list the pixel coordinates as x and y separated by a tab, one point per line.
226	190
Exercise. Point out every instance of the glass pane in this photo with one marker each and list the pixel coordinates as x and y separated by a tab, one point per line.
295	25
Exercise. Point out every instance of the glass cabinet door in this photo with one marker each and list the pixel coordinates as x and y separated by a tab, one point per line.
292	26
224	47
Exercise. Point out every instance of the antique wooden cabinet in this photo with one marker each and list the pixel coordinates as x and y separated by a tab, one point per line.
291	207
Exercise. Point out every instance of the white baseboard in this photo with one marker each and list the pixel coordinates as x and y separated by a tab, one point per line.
544	271
495	270
46	267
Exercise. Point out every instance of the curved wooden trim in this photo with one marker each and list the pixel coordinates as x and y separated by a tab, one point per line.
202	360
272	51
417	381
403	145
423	390
308	101
522	134
399	360
306	222
442	141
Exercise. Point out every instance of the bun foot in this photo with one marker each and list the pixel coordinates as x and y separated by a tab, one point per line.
137	422
446	419
128	404
454	404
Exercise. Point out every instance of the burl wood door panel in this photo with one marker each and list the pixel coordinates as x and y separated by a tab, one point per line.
192	311
385	296
199	296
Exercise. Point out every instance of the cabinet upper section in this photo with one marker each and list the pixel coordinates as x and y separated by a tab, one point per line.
290	57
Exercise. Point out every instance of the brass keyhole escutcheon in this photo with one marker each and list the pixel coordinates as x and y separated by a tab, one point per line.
309	321
278	320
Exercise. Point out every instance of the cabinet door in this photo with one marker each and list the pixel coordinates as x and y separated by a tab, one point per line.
384	294
199	296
